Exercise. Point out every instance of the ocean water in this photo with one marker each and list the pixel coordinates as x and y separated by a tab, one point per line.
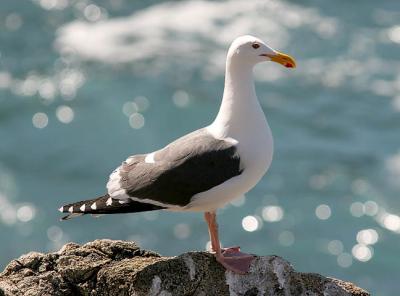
85	84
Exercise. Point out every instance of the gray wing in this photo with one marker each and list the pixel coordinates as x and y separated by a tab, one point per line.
192	164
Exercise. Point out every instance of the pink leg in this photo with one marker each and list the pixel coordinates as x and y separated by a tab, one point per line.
231	258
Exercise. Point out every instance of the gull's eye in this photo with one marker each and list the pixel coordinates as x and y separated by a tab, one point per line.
255	45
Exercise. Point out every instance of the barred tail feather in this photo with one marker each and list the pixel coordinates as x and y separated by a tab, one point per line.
105	205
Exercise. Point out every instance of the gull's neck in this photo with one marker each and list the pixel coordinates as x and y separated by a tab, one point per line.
240	109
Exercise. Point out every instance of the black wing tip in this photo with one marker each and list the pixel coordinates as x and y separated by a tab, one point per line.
105	205
64	218
70	216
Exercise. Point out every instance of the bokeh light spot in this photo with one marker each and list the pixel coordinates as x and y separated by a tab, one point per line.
8	215
323	212
180	98
392	222
182	231
5	79
335	247
367	236
362	253
344	260
357	209
394	34
318	181
40	120
47	90
142	103
136	120
129	108
92	12
150	216
26	213
286	238
13	22
54	233
359	186
272	213
250	223
371	208
208	246
65	114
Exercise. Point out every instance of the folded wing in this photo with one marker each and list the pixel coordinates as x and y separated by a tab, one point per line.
171	176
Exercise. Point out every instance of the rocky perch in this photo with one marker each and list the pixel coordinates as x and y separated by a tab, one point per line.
107	267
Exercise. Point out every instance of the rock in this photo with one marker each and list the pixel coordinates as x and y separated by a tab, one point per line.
107	267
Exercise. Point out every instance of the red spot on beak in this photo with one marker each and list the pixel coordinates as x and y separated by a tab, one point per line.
288	65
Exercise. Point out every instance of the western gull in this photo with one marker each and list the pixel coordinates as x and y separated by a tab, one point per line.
203	170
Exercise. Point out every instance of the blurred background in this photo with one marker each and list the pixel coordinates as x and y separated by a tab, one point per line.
84	84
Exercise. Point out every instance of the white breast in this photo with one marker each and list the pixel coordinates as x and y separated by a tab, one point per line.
255	147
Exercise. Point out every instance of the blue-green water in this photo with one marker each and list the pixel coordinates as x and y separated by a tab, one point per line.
84	84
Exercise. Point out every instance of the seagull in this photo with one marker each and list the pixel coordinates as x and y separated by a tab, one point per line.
205	169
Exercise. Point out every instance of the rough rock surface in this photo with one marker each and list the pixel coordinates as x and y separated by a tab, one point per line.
107	267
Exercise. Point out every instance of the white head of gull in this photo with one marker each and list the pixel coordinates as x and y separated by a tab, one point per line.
206	169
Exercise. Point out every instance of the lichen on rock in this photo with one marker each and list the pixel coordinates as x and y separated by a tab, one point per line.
108	267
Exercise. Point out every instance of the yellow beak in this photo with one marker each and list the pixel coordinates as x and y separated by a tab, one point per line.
283	59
